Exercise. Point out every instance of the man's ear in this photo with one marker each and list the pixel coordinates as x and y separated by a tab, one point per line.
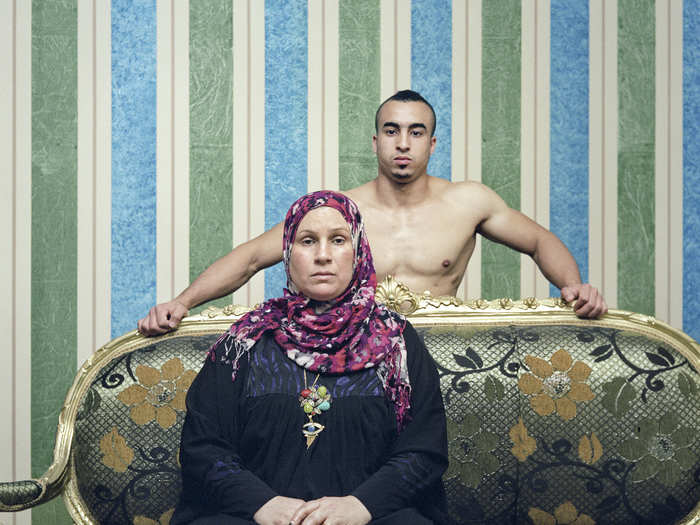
433	141
374	143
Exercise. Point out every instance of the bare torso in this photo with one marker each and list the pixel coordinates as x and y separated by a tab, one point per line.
427	244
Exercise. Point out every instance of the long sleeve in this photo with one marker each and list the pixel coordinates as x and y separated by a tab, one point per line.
214	478
419	455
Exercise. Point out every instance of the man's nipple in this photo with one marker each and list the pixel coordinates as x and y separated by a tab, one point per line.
445	263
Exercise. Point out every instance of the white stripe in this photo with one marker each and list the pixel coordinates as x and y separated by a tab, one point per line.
595	145
7	226
602	239
181	145
610	129
256	172
315	98
86	182
534	142
528	133
668	166
661	165
402	33
331	174
387	45
164	151
473	280
323	95
103	173
459	100
23	247
543	31
241	138
675	137
395	43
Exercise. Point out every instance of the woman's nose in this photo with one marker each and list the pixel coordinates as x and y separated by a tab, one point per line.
323	252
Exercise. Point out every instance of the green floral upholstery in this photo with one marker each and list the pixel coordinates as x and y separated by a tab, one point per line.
127	433
548	423
557	423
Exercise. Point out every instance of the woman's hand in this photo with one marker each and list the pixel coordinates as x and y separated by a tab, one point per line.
332	511
278	511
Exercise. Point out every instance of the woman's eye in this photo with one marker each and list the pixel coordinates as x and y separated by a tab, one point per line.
307	241
339	240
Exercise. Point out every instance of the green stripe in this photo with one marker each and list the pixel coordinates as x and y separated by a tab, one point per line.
54	228
359	81
501	23
635	160
211	134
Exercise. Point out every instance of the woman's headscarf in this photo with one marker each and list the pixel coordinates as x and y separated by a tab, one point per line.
345	334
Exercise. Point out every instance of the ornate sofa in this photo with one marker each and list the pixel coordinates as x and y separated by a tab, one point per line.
551	419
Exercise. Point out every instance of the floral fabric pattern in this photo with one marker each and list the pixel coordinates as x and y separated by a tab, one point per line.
661	449
159	393
557	385
564	514
471	451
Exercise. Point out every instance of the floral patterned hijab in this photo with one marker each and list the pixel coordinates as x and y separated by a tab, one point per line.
349	333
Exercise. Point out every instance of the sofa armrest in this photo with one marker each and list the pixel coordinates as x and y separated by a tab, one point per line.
20	495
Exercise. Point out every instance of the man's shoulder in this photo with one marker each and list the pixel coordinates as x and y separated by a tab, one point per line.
465	191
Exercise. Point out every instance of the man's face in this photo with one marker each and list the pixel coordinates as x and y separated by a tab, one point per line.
403	143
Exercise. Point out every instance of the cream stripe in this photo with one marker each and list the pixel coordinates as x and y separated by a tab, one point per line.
331	175
542	35
241	138
387	38
595	145
395	41
610	128
459	101
7	226
402	34
181	145
86	181
316	94
22	246
528	133
675	169
534	141
103	173
603	149
164	151
661	165
256	134
473	280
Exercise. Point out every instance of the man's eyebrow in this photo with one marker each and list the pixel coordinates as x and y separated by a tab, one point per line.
410	126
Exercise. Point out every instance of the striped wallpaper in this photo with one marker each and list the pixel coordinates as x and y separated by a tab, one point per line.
142	139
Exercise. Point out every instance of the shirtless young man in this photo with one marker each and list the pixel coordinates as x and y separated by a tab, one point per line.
422	229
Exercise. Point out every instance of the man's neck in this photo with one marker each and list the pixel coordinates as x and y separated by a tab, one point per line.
396	195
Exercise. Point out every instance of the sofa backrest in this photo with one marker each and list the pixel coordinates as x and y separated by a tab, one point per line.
549	417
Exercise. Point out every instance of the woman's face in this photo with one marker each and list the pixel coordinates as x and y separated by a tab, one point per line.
321	260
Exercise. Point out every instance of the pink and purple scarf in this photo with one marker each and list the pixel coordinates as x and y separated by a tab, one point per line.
349	333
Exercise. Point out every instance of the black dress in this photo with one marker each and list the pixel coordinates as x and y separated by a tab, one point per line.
242	442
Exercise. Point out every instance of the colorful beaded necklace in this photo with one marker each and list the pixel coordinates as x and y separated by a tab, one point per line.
313	400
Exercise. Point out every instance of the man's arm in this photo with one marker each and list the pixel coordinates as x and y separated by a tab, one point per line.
224	276
514	229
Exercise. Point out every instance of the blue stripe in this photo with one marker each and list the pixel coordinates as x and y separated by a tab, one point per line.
431	72
691	167
569	77
133	161
286	74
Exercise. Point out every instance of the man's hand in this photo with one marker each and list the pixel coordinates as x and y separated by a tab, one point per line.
590	302
162	318
278	511
332	511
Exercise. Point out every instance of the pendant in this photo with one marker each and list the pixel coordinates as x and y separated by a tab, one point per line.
313	400
311	430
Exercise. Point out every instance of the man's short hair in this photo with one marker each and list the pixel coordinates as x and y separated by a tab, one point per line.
406	95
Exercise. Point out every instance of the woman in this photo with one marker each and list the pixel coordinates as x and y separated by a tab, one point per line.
318	407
